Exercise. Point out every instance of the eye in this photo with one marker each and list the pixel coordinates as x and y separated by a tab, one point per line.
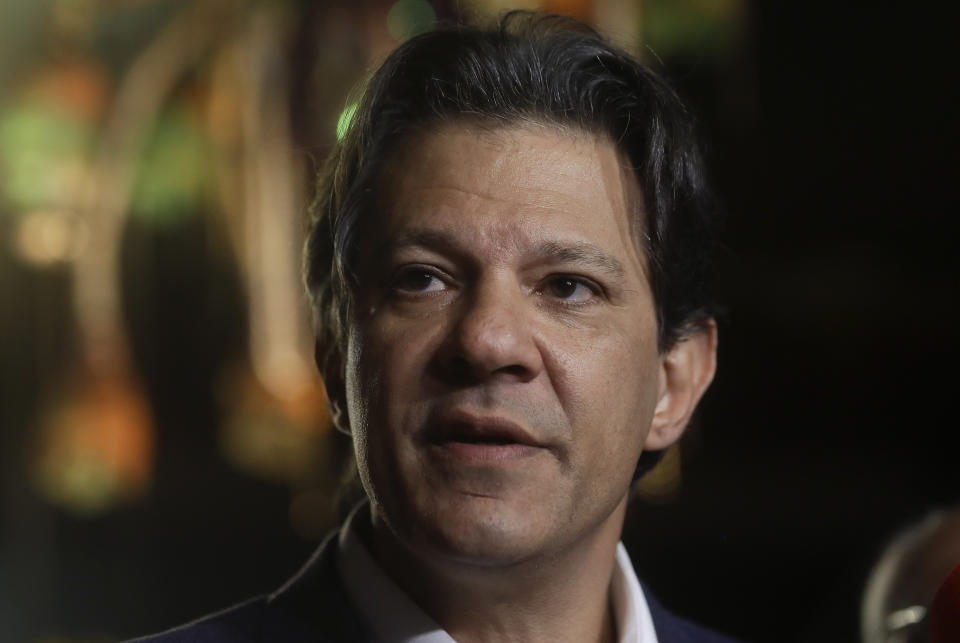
417	279
574	290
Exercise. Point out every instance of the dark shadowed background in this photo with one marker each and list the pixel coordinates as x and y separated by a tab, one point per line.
164	449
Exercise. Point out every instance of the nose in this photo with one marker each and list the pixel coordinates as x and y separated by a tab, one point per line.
491	336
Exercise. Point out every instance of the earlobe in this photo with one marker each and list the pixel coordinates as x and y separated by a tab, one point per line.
685	373
329	365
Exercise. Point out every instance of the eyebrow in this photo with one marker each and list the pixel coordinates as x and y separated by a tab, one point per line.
580	252
575	252
424	238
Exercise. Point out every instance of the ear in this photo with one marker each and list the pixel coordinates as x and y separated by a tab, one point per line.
686	371
331	370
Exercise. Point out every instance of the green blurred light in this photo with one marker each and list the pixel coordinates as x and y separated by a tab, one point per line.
174	172
346	117
677	27
407	18
41	148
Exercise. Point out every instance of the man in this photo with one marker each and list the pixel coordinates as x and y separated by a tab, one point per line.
507	262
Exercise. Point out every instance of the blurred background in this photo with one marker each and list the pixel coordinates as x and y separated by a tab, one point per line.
164	444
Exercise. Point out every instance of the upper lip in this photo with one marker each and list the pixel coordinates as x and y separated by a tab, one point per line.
462	425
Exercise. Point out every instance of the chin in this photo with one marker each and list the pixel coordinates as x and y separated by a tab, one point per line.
474	530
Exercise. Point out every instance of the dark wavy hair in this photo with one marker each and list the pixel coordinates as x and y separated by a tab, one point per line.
528	67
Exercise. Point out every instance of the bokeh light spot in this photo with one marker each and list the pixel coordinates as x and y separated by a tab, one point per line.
46	237
663	482
174	172
407	18
96	445
42	155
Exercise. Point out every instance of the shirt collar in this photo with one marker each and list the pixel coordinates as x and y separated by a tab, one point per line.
630	609
393	617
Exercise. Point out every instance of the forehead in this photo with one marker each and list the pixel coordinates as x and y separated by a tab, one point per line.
512	182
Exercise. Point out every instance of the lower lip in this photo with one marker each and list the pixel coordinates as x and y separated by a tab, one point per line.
479	452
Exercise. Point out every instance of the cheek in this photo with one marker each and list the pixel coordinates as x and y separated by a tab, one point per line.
369	401
609	386
611	361
385	369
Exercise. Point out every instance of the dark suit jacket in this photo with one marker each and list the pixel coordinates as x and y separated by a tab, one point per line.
313	608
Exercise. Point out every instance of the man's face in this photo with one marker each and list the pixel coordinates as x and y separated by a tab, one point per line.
502	370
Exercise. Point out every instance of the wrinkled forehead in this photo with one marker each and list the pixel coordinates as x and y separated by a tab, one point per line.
563	170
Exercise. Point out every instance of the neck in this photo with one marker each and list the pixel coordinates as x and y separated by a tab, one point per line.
563	596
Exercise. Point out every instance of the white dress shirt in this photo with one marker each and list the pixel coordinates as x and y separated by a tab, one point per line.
392	616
